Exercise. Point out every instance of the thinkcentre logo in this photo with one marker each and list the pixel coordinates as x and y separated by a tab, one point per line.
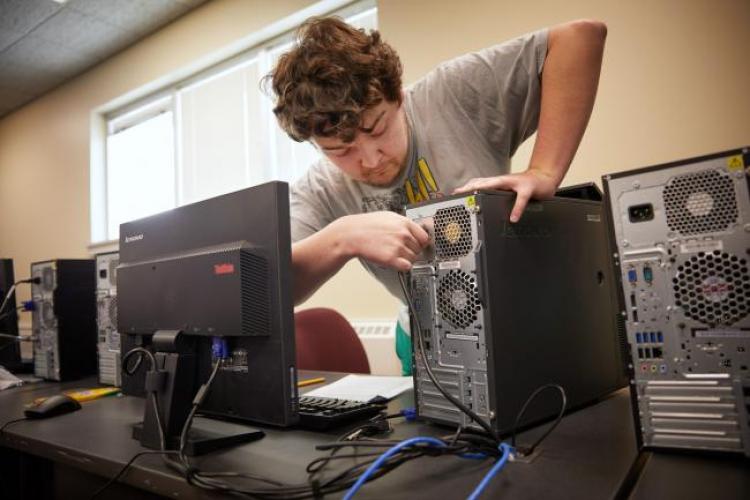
130	239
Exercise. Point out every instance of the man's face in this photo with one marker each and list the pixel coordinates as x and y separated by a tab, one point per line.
377	154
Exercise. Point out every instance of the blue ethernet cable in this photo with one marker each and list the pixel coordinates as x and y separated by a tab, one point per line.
505	449
385	456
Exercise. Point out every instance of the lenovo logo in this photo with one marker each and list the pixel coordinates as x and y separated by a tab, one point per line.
130	239
223	268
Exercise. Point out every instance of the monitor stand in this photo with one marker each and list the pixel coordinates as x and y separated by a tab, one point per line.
173	382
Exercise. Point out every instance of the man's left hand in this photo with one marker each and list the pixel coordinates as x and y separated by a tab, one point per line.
532	183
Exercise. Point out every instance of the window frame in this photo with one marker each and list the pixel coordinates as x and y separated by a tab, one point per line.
163	94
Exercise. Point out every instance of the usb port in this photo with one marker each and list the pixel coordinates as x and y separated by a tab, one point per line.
652	336
647	352
638	338
632	300
640	353
659	337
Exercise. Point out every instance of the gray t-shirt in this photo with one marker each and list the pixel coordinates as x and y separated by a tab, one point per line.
466	118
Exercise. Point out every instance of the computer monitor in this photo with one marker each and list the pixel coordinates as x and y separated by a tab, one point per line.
10	353
209	277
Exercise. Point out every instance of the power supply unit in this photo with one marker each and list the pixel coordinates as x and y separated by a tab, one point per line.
505	308
682	232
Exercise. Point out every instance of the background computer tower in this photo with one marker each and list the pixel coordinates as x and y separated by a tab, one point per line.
10	350
64	319
682	231
507	308
108	342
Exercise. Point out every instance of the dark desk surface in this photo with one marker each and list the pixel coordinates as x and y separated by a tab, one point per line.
691	476
587	456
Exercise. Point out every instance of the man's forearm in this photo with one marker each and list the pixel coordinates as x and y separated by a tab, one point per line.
569	83
315	260
383	238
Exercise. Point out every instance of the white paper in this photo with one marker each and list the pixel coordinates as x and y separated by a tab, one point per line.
363	388
8	380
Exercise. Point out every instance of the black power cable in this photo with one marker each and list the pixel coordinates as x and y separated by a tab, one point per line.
528	450
154	400
12	290
433	378
465	409
126	467
10	422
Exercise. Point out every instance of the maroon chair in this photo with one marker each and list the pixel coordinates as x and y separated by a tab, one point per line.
327	342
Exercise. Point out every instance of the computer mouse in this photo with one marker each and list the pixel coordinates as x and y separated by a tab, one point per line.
53	406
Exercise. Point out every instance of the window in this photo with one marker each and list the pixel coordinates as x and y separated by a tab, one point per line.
140	166
208	134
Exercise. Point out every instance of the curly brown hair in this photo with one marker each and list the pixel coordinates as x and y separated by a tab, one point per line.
335	73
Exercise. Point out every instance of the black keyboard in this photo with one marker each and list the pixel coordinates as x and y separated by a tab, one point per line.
324	413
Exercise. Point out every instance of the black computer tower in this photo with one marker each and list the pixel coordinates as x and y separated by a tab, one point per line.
506	308
10	350
64	319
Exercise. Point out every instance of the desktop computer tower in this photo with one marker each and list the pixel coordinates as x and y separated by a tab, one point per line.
506	308
64	319
682	232
10	350
108	342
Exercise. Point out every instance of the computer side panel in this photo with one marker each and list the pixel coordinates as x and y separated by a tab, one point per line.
683	243
552	313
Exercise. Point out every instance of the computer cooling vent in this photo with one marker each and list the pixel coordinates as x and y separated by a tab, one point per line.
452	232
113	311
107	312
49	320
458	299
700	202
256	292
713	288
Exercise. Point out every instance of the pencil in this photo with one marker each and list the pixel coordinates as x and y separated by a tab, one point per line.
310	381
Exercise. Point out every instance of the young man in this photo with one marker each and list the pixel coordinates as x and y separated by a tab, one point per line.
454	130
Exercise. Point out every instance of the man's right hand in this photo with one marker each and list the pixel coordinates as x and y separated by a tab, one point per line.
384	238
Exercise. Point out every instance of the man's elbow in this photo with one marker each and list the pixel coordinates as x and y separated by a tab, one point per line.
589	29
